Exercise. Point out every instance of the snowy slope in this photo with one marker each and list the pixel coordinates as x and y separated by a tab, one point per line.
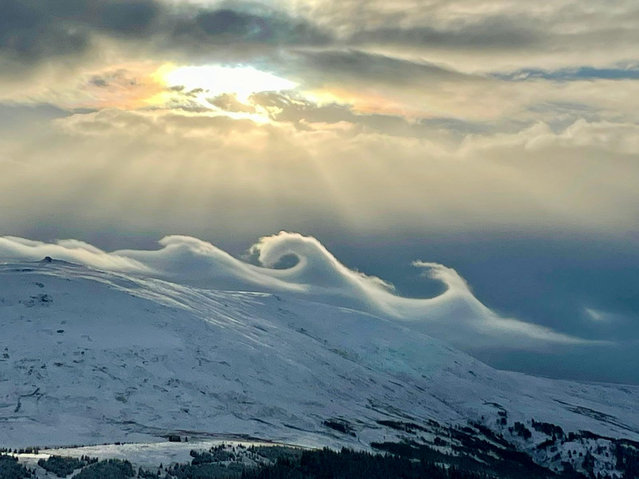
456	315
89	357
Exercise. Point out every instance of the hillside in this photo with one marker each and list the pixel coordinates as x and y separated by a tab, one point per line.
90	357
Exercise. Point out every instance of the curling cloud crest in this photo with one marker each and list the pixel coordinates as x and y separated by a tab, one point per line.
456	315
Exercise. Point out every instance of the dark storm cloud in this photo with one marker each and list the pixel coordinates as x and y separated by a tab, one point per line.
372	68
125	17
28	32
232	26
32	31
499	32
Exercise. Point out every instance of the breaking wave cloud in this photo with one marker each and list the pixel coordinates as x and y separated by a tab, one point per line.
456	315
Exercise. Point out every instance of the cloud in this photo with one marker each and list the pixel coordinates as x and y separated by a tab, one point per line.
597	315
374	68
618	137
74	251
573	74
479	35
490	32
466	36
33	32
472	61
226	26
441	37
28	34
456	315
319	169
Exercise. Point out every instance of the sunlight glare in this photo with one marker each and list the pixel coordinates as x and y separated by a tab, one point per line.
216	80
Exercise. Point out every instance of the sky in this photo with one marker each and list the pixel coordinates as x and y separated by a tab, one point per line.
496	139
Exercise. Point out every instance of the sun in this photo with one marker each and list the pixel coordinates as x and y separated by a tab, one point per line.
215	80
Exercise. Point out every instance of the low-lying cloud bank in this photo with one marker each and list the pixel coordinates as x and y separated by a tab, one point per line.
456	315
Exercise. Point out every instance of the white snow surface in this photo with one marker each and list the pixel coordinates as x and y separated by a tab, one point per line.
88	357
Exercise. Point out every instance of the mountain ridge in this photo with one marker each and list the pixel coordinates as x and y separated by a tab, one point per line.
91	356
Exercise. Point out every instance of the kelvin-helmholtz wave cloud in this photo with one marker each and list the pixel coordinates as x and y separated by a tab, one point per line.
300	266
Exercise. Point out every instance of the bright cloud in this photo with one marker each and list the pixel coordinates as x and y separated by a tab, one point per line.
456	315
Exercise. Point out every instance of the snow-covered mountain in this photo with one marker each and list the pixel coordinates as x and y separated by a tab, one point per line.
90	356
